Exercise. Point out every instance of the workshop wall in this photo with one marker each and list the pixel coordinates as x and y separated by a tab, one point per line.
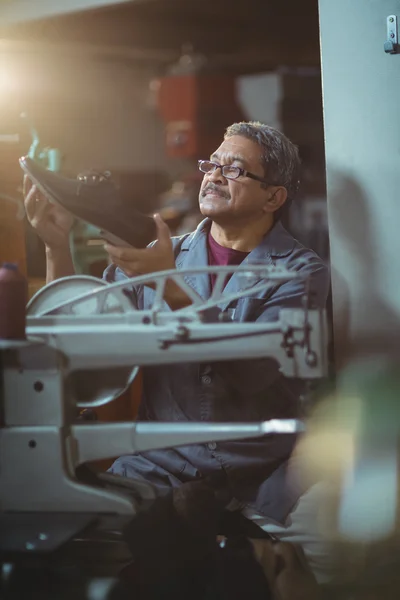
95	111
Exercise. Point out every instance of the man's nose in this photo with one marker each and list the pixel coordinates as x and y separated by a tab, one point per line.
216	175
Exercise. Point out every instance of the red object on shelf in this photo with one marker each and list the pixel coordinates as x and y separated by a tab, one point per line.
196	110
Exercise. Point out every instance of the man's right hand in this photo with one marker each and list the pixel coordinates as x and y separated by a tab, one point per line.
51	222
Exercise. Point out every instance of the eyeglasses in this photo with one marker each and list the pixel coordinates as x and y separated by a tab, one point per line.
228	171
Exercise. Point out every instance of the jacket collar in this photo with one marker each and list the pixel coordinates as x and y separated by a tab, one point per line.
277	243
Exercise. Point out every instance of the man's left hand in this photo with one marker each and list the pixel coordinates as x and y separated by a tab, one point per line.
158	257
155	258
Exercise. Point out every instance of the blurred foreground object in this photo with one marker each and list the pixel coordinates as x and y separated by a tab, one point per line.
288	577
352	444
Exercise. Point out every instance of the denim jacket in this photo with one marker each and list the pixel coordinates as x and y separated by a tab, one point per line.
240	390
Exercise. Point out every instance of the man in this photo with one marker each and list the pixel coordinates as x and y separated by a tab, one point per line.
248	183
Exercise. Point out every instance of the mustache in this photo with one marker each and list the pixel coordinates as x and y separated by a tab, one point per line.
211	187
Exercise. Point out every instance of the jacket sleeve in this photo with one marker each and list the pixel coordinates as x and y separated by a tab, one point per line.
112	274
255	375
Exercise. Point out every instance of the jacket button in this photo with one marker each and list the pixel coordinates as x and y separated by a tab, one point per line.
206	379
211	445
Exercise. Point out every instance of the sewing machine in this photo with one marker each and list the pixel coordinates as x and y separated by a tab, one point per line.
83	325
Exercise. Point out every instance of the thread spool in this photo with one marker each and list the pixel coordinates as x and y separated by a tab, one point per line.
13	301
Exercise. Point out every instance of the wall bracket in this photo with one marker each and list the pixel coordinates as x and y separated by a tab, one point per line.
391	44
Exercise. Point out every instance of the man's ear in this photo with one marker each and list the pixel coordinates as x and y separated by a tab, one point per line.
276	198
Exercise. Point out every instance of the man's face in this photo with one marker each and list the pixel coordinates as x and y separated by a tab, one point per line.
231	200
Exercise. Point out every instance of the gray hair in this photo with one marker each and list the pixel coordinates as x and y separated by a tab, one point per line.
279	156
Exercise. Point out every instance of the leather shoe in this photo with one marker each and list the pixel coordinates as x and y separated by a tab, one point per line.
95	199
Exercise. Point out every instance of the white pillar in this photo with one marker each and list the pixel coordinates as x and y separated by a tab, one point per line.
361	90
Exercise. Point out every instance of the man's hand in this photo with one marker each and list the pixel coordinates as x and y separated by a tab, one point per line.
51	222
158	257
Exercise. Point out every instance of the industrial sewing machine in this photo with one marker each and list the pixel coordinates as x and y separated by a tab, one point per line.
86	335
